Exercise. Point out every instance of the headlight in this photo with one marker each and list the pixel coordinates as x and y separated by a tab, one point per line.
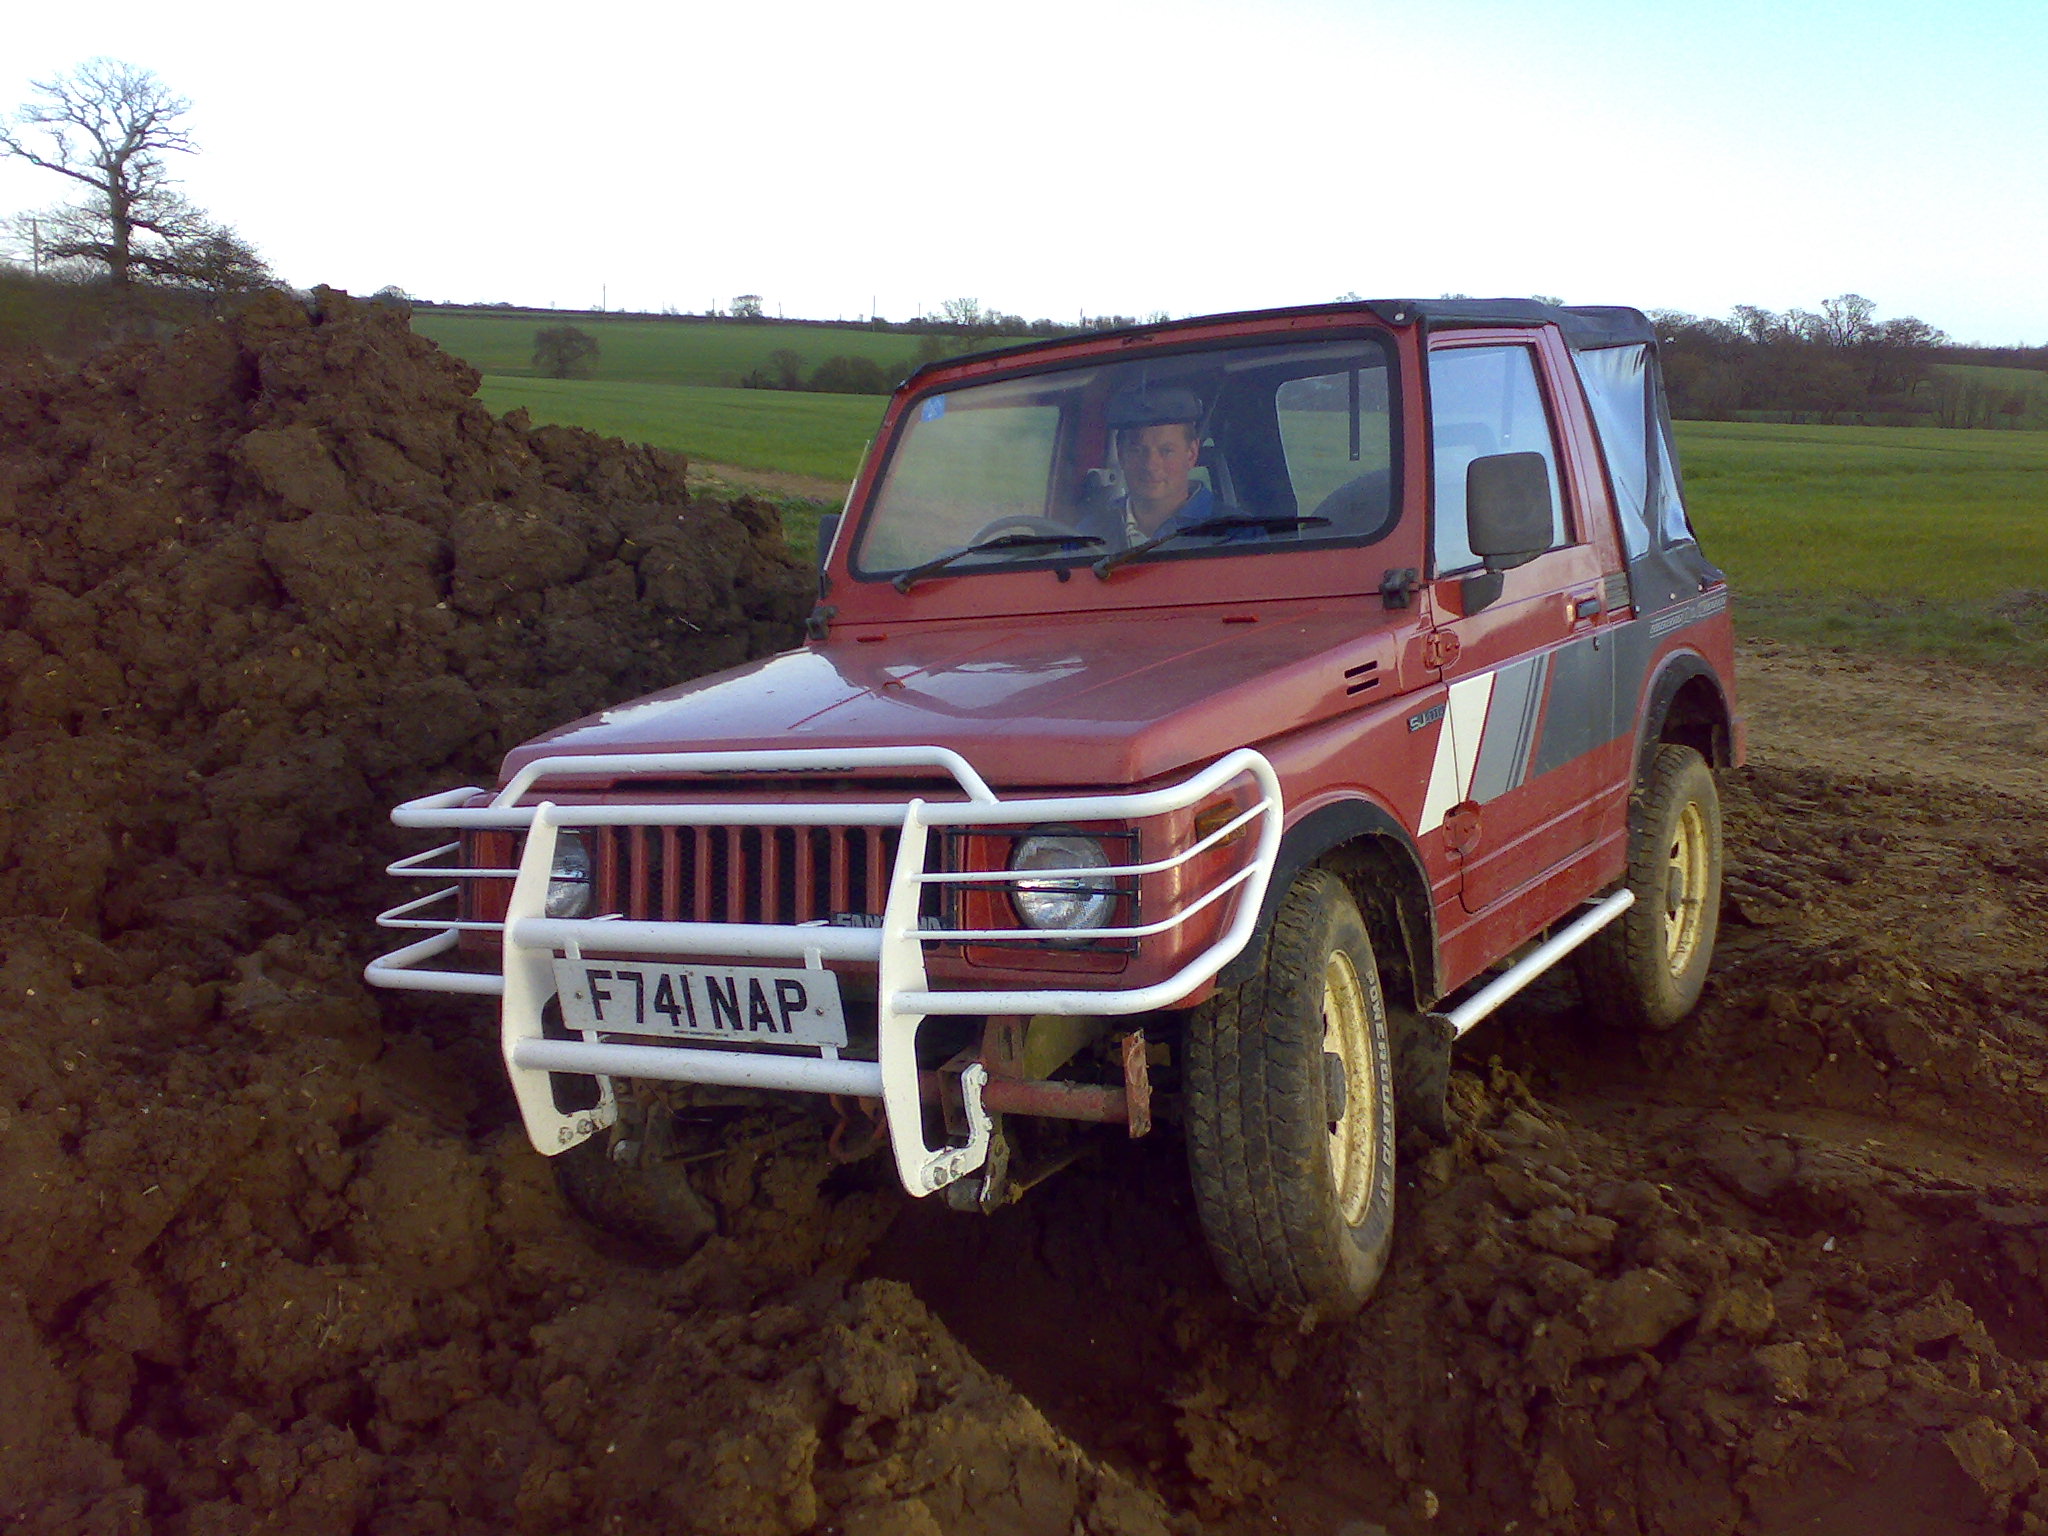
569	880
1072	901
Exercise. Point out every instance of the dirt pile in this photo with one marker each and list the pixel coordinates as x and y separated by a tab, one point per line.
271	1256
260	580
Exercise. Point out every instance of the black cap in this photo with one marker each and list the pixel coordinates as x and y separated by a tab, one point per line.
1148	405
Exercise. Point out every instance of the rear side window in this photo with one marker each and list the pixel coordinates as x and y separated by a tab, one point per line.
1617	380
1484	400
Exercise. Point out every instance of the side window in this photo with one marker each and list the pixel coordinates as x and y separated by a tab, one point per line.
1484	400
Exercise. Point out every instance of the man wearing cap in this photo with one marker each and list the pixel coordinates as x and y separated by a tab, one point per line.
1158	440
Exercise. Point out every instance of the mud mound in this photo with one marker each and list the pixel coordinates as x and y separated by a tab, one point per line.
271	1255
262	580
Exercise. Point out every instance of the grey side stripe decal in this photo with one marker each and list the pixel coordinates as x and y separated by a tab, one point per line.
1582	708
1511	718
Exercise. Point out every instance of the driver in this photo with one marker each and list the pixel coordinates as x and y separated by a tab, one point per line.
1158	440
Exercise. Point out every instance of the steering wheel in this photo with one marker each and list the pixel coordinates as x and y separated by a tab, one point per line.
1023	522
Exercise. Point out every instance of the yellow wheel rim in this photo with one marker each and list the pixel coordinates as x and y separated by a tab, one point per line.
1354	1135
1685	888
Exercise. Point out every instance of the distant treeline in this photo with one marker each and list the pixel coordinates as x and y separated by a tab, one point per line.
844	374
957	317
1840	363
961	325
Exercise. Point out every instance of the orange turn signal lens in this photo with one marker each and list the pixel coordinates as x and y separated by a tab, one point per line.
1211	819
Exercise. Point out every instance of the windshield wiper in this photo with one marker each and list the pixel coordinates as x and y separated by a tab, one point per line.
1208	525
904	580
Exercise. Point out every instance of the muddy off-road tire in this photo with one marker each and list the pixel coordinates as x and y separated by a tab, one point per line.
1292	1156
1645	969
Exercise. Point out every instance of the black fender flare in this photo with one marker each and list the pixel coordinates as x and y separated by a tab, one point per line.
1326	828
1673	673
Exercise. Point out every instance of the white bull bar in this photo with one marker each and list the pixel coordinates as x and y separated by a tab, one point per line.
904	997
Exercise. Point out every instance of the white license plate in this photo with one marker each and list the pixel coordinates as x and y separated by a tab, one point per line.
702	1002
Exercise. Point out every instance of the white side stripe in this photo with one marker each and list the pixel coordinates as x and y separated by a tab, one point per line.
1457	749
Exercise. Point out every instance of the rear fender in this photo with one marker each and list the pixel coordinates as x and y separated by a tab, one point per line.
1687	704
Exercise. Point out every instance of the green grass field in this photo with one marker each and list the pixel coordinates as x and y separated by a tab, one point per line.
763	429
701	352
1906	538
1885	511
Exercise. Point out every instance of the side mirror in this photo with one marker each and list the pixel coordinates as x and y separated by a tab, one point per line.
828	530
1508	508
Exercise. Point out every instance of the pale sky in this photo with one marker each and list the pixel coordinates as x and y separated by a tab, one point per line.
1112	156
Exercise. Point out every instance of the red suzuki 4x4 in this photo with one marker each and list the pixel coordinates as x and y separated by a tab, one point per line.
1205	722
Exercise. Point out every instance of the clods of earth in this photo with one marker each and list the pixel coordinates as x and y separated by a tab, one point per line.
274	1256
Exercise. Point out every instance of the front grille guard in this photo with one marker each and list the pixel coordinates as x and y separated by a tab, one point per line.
904	998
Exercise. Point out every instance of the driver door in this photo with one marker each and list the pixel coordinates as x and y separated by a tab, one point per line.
1518	649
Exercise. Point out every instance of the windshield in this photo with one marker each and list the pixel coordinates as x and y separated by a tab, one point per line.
1237	450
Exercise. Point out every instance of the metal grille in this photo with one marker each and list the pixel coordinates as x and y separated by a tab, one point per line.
743	874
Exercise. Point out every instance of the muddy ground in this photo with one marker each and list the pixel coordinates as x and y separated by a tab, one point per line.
275	1257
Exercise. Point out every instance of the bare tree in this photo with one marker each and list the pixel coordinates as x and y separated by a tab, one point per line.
1848	320
108	126
1758	325
217	259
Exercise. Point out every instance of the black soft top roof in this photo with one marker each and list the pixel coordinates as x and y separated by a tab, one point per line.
1586	327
